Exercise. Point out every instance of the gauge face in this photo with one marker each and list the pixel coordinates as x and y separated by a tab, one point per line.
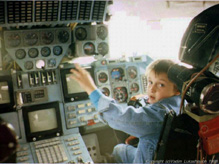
117	74
63	36
57	50
30	38
40	64
28	65
81	33
33	52
103	77
105	91
120	94
14	40
103	48
89	48
134	87
102	32
132	72
20	54
47	37
45	51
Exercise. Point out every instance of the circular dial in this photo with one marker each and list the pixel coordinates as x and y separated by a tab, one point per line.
47	37
103	77
80	33
45	51
40	64
30	38
102	32
20	54
103	48
134	87
89	48
120	94
33	52
132	72
105	91
57	50
14	39
63	36
28	65
117	74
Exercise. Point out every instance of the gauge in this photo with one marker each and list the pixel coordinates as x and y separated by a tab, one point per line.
102	77
40	64
33	52
47	37
120	94
20	54
63	36
102	32
45	51
89	48
30	38
80	33
51	62
134	87
132	72
28	65
57	50
103	48
105	91
14	39
117	73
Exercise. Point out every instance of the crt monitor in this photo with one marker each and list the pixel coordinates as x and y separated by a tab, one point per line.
71	89
42	121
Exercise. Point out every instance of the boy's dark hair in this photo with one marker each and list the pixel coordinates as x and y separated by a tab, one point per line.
159	66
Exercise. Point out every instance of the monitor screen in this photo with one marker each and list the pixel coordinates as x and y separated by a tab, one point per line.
4	93
72	85
72	91
42	121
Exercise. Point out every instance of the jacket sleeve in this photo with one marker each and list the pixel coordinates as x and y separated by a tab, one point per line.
134	121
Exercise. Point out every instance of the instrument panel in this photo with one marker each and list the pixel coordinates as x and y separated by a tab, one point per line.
37	49
91	40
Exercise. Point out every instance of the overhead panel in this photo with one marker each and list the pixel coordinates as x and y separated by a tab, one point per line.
15	13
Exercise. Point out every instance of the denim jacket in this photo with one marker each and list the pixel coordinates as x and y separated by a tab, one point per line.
144	122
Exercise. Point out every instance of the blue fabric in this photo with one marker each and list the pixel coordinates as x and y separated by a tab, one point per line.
144	122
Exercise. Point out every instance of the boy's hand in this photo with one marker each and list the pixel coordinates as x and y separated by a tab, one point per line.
83	78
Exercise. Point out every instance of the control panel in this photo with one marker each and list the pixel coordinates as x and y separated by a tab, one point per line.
37	49
91	40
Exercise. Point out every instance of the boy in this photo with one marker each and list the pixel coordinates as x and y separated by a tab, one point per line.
144	122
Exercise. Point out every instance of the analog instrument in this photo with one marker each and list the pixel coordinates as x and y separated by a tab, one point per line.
134	87
103	77
89	48
33	52
47	37
28	65
45	51
132	72
20	54
117	74
102	32
30	38
57	50
63	36
120	94
105	91
103	48
13	39
81	33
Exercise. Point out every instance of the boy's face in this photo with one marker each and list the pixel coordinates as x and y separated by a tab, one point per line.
159	87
